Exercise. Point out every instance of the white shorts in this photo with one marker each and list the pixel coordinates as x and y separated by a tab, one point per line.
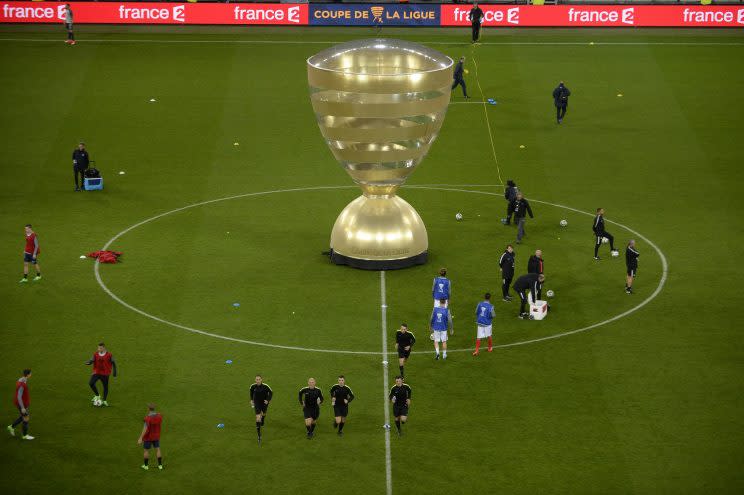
436	303
484	332
440	336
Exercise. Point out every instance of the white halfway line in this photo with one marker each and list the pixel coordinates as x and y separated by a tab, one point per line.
430	42
385	379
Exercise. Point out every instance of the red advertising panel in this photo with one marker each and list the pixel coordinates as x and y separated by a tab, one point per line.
157	13
599	15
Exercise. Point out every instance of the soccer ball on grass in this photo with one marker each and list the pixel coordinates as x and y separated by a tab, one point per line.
458	216
98	402
564	222
550	293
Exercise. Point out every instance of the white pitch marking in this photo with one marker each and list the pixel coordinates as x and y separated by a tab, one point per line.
385	379
454	188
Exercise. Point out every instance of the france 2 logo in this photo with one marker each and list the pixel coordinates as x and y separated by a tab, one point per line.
179	13
627	17
293	15
512	15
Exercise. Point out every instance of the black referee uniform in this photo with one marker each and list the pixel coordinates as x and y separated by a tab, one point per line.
399	396
474	16
310	407
260	396
530	282
506	262
403	340
342	397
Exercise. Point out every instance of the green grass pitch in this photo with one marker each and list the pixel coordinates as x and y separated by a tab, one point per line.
649	403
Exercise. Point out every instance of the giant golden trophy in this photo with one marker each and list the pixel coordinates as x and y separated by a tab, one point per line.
380	104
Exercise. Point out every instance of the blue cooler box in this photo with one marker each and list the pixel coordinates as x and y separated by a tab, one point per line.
93	183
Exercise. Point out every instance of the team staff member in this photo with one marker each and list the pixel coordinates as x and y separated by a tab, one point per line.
400	396
598	226
484	315
475	16
150	436
404	341
535	263
68	25
261	395
532	282
560	99
22	400
103	363
510	194
520	207
80	162
341	396
30	254
441	289
506	265
631	261
310	398
459	77
439	323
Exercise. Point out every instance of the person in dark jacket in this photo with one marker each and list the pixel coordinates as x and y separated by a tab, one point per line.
560	98
459	77
520	207
631	261
535	263
475	16
506	265
532	282
80	162
510	194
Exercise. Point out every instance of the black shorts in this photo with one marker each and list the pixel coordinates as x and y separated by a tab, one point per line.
341	410
404	354
400	410
103	378
148	444
632	271
311	412
261	408
29	258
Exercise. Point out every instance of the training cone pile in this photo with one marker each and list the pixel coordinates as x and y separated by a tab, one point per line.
105	256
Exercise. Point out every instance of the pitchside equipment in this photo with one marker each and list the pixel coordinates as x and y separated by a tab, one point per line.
538	310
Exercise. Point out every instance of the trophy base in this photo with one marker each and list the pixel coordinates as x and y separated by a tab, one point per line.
379	233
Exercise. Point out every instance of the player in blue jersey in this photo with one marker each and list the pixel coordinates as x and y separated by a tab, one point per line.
484	314
440	291
439	323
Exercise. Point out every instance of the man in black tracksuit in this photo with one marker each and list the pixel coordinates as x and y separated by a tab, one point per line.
535	263
520	207
459	79
474	16
598	226
631	262
510	194
532	282
506	265
80	162
560	98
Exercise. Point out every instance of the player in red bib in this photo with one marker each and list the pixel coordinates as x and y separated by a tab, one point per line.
150	436
103	363
30	254
22	400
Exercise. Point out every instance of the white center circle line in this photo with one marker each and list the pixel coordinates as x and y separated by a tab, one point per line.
438	187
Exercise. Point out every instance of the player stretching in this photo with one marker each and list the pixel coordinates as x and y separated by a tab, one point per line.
440	321
311	398
484	314
30	254
22	400
404	341
150	436
261	395
103	362
599	232
400	396
441	289
341	395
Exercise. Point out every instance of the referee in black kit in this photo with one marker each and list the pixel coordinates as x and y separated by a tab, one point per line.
475	16
310	399
560	98
80	162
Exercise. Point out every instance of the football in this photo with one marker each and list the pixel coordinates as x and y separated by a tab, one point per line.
564	222
458	216
605	240
550	293
98	402
615	254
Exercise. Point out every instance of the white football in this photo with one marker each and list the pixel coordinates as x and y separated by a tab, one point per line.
605	240
458	216
431	336
98	402
550	293
615	254
564	222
